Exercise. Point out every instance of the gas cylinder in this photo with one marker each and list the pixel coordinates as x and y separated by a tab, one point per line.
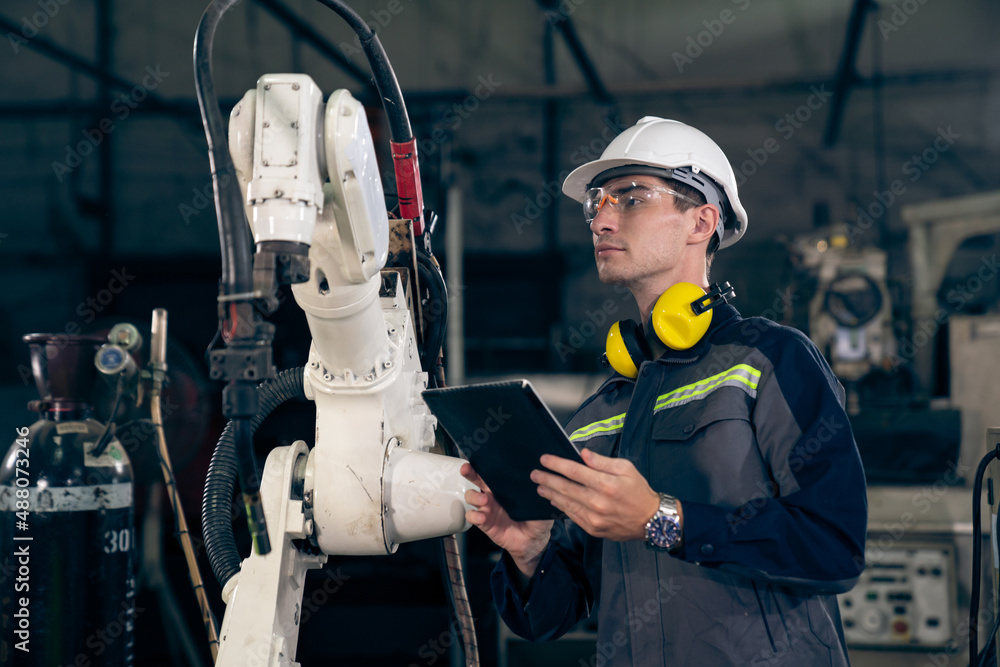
66	510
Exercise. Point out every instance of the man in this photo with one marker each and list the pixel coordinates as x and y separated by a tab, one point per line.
722	505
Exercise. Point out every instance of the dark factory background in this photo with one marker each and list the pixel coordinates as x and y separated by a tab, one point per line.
842	119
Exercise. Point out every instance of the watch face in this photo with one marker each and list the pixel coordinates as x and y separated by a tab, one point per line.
663	532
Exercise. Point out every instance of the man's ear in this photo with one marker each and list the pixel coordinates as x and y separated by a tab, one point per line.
706	220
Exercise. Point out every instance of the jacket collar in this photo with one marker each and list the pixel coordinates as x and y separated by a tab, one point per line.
722	316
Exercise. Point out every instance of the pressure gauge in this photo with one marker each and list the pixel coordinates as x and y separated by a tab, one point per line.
125	336
111	359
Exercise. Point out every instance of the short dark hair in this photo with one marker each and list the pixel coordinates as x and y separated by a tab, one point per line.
683	205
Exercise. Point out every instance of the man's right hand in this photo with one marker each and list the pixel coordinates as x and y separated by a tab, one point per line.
525	541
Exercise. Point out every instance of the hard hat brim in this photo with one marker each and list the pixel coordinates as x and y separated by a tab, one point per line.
576	184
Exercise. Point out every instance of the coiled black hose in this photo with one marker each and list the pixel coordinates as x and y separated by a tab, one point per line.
217	502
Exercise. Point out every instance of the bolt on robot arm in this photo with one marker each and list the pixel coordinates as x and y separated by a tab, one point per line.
370	482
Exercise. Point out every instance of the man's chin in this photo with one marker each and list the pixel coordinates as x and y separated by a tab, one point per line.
609	277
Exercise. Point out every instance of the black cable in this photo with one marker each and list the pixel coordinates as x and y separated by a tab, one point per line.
220	482
105	438
977	552
238	397
990	648
385	78
211	344
234	232
436	321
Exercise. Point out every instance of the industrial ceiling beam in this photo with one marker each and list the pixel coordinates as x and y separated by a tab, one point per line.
720	88
305	31
71	60
106	173
562	23
846	74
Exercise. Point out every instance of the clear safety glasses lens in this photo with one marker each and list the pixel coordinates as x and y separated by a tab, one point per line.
625	197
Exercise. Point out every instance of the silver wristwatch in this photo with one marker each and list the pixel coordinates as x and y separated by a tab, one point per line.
663	530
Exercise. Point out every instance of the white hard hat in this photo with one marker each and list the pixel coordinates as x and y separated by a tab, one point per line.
688	154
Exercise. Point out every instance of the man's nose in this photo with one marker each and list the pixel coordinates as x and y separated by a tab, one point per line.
605	221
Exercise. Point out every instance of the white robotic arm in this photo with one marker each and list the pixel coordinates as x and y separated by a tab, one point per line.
370	482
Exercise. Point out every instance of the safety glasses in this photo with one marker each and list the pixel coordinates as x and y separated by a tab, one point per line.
627	198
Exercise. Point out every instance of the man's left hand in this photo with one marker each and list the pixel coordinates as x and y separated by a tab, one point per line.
607	497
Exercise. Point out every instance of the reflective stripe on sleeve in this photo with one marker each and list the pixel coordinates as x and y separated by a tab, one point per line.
603	427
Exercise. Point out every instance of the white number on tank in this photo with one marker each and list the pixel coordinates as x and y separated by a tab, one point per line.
117	540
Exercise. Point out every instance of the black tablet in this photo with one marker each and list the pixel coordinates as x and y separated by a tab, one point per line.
503	428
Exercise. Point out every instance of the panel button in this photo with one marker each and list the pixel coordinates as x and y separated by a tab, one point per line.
707	549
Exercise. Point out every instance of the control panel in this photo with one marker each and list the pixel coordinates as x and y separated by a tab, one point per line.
906	597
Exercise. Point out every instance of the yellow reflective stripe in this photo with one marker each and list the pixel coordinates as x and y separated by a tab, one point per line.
739	374
696	389
599	428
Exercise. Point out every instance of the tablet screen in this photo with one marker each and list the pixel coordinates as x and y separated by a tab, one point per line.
503	428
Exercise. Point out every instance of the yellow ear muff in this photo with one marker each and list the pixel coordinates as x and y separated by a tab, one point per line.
674	321
626	347
618	355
